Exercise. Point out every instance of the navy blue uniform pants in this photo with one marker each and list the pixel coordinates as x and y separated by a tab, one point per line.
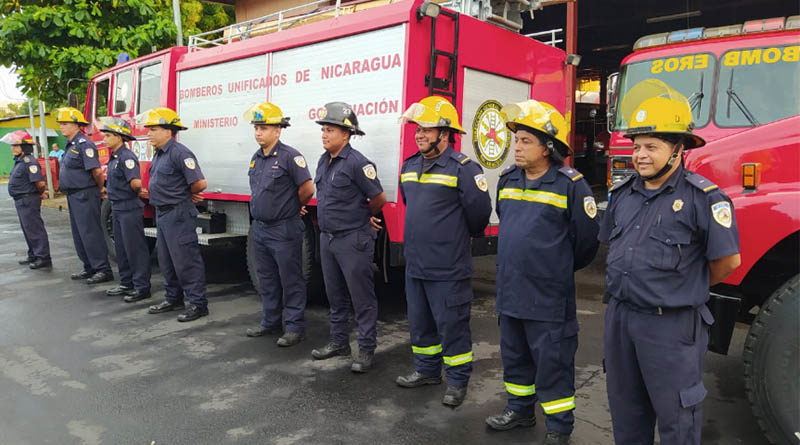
30	219
349	283
654	366
133	256
539	363
277	249
87	233
179	255
438	318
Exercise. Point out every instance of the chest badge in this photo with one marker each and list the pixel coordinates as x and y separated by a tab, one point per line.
300	161
130	164
369	171
590	206
33	168
190	163
89	152
677	205
722	213
482	183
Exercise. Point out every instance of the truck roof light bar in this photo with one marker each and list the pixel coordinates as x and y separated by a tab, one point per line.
651	40
722	31
792	22
773	24
685	35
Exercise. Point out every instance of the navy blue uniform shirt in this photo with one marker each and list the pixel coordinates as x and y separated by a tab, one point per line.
547	231
274	181
23	175
173	170
344	186
80	157
659	247
122	168
447	201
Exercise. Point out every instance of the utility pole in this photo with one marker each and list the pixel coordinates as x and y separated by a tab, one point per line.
33	124
43	138
176	16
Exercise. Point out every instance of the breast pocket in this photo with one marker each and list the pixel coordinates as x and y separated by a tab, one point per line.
615	250
342	186
74	161
664	249
277	178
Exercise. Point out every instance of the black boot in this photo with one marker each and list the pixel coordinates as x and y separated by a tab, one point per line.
165	306
363	362
118	290
330	350
454	396
100	277
556	438
81	275
136	295
510	419
290	339
415	379
40	263
192	313
26	261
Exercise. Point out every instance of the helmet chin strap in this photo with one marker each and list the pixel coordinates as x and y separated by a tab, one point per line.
434	146
670	162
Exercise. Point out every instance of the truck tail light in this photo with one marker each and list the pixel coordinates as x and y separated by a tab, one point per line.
751	175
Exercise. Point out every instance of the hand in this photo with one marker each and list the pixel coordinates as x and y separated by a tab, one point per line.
375	222
303	211
103	194
144	194
197	197
44	194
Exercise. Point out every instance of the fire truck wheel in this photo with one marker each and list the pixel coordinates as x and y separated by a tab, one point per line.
107	222
312	271
771	368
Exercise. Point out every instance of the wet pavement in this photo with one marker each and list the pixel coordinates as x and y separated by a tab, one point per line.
78	367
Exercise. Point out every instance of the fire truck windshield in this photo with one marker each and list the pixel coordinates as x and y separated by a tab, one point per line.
690	74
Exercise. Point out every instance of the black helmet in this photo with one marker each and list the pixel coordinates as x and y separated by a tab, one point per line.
342	115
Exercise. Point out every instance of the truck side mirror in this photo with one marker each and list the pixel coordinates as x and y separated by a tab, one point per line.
612	84
72	100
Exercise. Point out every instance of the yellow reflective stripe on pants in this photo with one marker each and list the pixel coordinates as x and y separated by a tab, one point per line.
560	405
427	350
455	360
520	390
550	198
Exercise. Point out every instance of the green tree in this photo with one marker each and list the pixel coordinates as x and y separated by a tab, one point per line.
51	42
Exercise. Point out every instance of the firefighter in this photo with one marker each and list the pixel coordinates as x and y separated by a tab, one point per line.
81	179
447	202
547	231
176	183
671	234
124	185
348	195
27	186
280	185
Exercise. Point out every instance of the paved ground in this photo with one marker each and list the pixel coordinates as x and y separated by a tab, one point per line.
77	367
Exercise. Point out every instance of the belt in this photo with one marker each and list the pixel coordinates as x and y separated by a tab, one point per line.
18	197
275	222
341	233
71	191
165	208
652	310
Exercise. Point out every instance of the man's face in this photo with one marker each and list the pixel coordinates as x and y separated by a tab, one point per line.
159	136
528	151
68	129
16	150
334	137
267	135
650	154
112	140
425	137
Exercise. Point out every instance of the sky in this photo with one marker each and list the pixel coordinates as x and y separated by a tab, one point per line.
8	86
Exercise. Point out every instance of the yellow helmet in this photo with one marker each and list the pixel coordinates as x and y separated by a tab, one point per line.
661	115
160	117
539	117
434	112
265	113
70	115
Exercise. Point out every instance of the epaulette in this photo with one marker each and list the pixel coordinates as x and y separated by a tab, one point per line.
571	173
460	157
27	159
617	185
508	170
82	140
700	182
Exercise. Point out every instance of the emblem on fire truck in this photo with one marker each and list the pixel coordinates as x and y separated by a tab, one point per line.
490	137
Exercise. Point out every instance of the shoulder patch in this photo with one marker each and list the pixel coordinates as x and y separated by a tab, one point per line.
27	159
89	152
300	161
722	213
571	173
482	183
369	171
508	170
33	168
130	163
700	182
617	185
189	162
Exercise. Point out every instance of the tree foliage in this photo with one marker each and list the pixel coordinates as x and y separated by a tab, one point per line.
13	109
51	42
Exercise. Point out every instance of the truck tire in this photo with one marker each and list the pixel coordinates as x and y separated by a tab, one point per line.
312	270
771	368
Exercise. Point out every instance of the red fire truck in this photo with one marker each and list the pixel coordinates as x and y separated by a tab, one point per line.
379	56
743	82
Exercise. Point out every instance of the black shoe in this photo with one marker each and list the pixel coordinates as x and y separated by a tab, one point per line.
135	295
80	275
26	261
415	379
290	339
330	350
118	290
193	313
556	438
100	277
165	306
40	264
509	419
261	331
454	396
363	362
